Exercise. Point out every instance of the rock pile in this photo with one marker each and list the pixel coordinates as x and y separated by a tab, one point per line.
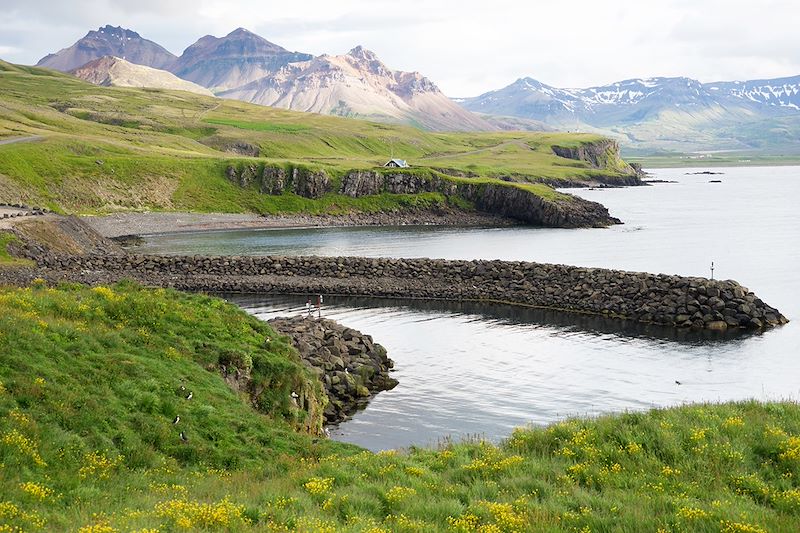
350	365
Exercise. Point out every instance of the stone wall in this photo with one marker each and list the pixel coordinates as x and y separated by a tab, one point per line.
650	298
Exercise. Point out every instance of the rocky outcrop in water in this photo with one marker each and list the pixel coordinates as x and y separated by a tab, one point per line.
351	367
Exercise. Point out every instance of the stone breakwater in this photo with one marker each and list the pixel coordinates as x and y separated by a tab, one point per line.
669	300
351	367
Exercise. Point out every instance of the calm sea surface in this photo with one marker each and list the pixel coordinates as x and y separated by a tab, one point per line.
477	369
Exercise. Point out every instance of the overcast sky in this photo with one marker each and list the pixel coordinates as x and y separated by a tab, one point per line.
467	46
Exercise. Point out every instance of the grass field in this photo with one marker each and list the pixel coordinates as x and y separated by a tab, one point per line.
104	149
90	384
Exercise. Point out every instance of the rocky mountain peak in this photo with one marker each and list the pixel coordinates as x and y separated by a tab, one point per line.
241	32
368	61
109	41
108	31
234	60
361	53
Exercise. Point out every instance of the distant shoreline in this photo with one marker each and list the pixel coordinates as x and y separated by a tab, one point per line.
654	163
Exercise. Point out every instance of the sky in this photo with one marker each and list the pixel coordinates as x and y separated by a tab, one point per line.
466	47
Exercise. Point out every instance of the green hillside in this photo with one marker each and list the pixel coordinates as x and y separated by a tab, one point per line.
82	148
90	384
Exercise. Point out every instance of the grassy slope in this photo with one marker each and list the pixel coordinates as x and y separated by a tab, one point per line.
109	148
88	394
6	259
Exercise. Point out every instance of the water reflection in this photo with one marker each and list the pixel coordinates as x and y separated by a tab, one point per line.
469	368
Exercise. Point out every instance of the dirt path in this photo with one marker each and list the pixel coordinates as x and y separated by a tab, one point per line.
15	140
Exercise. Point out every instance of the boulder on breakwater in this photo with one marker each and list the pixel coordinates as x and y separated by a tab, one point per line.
351	367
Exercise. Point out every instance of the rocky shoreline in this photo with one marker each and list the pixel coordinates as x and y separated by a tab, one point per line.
137	224
351	367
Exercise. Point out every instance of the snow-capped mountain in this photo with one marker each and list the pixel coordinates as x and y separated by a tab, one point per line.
672	113
529	98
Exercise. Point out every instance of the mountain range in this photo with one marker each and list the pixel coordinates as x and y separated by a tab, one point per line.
661	113
245	66
358	84
648	115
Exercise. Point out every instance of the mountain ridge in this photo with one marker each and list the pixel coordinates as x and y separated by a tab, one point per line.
109	41
240	57
677	113
359	84
110	71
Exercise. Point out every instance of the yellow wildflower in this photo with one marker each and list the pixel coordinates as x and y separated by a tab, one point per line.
733	421
189	514
691	513
36	490
398	494
99	466
317	486
24	445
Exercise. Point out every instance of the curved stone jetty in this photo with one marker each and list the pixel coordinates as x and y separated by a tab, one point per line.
668	300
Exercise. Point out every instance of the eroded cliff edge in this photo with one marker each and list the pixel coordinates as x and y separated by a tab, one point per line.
535	204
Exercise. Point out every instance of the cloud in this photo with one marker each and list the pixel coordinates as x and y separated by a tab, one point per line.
466	46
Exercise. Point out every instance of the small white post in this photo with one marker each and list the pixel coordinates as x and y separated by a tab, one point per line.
712	270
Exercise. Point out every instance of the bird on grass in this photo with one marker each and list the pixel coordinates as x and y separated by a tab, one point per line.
177	419
183	437
190	396
294	395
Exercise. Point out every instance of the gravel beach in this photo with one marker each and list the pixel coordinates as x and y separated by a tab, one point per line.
122	224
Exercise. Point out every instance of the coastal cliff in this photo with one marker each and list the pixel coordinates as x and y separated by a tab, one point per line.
535	204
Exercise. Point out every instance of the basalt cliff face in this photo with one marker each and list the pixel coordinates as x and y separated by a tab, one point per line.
602	155
511	200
